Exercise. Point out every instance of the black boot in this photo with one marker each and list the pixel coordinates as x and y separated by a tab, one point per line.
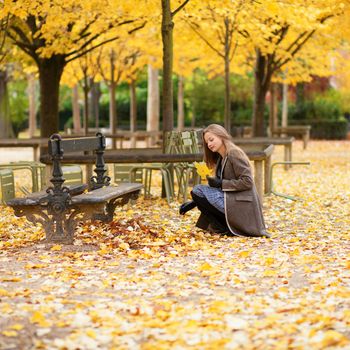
185	207
210	217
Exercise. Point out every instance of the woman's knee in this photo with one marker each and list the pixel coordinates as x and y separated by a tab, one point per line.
197	190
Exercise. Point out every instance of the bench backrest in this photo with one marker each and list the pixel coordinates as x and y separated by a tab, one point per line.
59	146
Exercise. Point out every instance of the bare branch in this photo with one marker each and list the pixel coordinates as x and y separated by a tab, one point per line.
205	40
179	8
82	51
296	45
25	41
4	26
234	50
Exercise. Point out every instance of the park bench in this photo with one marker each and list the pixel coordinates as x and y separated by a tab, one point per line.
60	208
302	131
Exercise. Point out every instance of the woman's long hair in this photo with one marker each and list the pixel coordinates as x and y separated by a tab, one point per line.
211	157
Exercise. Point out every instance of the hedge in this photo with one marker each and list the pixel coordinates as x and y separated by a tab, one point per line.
325	129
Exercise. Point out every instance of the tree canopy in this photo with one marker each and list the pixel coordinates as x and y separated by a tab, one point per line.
278	40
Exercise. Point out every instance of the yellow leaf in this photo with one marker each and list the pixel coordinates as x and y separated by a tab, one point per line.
124	246
39	318
269	261
244	254
162	314
217	306
34	266
17	327
332	338
10	333
4	293
56	247
269	273
251	290
91	333
205	267
202	170
11	279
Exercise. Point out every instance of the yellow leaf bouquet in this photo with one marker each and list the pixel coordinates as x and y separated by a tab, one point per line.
202	170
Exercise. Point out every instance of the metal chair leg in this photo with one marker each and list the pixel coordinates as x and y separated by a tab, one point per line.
271	180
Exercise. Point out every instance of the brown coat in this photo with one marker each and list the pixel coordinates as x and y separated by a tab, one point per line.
242	204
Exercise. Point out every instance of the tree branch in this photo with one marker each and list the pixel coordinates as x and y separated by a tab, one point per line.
25	41
205	40
80	52
179	8
297	45
280	63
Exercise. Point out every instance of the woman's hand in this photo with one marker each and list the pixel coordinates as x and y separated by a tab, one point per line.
214	181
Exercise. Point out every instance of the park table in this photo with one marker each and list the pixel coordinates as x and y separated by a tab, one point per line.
34	143
259	154
120	136
287	142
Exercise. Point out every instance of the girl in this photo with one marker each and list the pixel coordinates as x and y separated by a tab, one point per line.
229	203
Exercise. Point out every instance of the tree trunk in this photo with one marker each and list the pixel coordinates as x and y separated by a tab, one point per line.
32	105
227	110
113	117
180	104
273	108
300	98
6	130
94	103
167	39
112	100
76	110
261	85
300	101
86	105
50	72
153	100
285	106
133	112
193	117
112	108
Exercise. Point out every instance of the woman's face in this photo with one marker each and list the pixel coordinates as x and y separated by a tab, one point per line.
214	142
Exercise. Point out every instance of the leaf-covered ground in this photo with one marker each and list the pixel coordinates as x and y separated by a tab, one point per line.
151	280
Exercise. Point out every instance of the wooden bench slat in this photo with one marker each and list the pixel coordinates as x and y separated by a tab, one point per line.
106	193
35	197
74	145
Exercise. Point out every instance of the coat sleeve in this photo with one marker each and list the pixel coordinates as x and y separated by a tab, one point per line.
243	179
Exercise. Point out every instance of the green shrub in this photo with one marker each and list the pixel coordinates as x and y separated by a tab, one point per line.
206	99
325	129
18	99
326	106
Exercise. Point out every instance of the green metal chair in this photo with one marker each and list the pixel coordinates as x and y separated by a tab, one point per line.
36	169
163	168
7	185
271	179
73	174
125	173
187	143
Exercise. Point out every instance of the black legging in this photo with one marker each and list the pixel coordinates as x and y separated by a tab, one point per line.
210	215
